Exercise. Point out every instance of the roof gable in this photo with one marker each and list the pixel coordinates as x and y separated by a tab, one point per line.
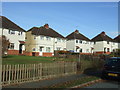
8	24
117	39
45	31
77	35
102	37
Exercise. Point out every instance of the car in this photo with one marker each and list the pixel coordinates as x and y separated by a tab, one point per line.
111	68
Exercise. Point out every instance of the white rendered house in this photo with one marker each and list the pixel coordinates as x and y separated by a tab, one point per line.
77	42
103	44
42	41
15	34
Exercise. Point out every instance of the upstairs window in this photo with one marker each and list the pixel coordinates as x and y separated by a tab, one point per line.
76	41
80	41
48	38
58	39
94	42
42	37
19	33
11	32
108	42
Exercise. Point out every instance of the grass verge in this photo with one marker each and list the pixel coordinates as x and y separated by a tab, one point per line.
76	82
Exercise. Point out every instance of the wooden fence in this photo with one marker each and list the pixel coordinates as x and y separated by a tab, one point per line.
14	74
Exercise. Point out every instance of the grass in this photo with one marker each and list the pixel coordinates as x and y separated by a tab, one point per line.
75	82
14	59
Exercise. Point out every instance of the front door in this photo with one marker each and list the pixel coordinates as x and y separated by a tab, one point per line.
20	48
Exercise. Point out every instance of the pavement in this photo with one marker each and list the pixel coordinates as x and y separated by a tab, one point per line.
46	83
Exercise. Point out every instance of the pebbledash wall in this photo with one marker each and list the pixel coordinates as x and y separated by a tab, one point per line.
41	45
15	40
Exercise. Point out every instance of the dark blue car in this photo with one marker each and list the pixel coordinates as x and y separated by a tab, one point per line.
112	68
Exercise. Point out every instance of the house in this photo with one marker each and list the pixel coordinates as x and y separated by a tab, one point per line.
42	41
15	34
117	40
103	44
77	42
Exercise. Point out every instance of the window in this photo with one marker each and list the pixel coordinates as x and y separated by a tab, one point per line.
94	42
19	33
81	50
11	32
104	50
48	38
76	41
80	41
41	47
33	49
107	42
34	37
58	39
108	50
47	49
42	37
11	46
58	48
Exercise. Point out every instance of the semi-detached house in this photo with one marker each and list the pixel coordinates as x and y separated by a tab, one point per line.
103	44
42	41
15	34
77	42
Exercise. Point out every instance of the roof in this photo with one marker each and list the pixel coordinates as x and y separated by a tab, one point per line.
117	39
8	24
45	31
77	35
102	37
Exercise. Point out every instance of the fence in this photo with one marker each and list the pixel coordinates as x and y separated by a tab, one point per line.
13	74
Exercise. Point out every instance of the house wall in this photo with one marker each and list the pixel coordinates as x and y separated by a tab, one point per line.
100	45
14	38
86	46
70	45
35	42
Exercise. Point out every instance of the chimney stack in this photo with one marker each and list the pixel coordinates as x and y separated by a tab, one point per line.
46	26
103	33
76	31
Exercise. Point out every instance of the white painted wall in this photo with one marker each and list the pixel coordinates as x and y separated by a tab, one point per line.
100	45
14	38
53	43
86	46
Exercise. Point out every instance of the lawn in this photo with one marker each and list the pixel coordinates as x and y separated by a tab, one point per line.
14	59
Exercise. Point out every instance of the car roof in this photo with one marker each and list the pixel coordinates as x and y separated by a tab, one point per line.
115	57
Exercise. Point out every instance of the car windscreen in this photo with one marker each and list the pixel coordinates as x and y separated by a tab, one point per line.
113	61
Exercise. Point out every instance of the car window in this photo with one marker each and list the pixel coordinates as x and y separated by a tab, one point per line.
113	61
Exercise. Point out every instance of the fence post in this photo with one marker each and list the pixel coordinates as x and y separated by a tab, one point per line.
9	74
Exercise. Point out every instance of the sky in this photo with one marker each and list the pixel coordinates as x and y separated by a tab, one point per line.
90	18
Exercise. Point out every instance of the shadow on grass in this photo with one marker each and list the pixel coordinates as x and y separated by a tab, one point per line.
9	56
